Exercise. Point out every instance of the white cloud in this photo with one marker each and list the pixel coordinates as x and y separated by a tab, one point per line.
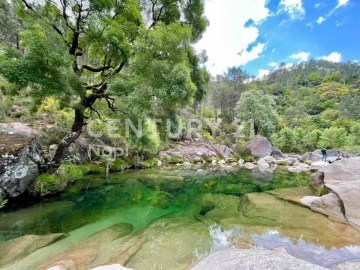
320	20
247	56
294	8
342	3
318	5
263	73
227	36
273	64
301	56
333	57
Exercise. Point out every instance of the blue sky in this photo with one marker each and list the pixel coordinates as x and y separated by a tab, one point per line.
258	35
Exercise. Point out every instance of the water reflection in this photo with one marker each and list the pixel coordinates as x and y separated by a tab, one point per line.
299	248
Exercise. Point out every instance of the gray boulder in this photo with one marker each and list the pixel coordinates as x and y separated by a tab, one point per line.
311	156
259	259
327	205
260	147
277	153
342	179
317	180
20	156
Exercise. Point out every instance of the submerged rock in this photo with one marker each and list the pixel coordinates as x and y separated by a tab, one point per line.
83	254
18	248
259	259
111	267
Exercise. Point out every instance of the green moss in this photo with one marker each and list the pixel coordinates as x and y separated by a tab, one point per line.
174	160
322	191
49	184
119	165
3	203
149	163
67	173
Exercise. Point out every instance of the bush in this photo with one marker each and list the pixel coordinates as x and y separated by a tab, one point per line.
355	132
333	138
284	139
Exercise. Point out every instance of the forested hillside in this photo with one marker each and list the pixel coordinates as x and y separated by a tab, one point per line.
301	107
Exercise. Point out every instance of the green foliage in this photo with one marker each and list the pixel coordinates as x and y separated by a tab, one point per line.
285	140
3	203
259	109
135	56
67	173
334	137
355	132
119	165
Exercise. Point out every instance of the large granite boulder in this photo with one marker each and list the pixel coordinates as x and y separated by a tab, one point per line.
20	156
259	259
342	179
327	205
259	147
190	151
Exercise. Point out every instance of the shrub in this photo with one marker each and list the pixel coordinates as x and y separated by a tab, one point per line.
333	138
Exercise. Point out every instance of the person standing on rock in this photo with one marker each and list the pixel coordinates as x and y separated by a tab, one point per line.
324	154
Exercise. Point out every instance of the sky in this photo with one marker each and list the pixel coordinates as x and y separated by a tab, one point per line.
258	35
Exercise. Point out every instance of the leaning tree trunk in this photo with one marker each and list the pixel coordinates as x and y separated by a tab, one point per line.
76	130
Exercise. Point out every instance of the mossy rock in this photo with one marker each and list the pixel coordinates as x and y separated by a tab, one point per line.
161	199
119	165
149	163
169	183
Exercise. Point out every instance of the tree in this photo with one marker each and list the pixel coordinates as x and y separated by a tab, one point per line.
86	51
350	105
284	139
258	108
333	137
355	132
9	24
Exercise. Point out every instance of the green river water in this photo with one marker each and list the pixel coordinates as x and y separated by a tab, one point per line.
171	218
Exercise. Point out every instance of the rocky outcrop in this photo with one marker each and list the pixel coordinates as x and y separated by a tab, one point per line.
259	147
342	179
192	151
327	205
20	156
332	155
260	259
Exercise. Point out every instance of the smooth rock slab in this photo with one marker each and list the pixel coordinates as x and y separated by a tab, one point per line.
249	259
350	198
328	205
18	248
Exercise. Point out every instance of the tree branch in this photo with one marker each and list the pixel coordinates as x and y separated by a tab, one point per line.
96	69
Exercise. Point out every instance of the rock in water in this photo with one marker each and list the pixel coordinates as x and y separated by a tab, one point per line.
342	179
259	147
260	259
20	156
18	248
111	267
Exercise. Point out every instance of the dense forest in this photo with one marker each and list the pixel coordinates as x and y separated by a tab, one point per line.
300	107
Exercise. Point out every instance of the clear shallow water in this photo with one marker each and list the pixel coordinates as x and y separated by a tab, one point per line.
186	212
